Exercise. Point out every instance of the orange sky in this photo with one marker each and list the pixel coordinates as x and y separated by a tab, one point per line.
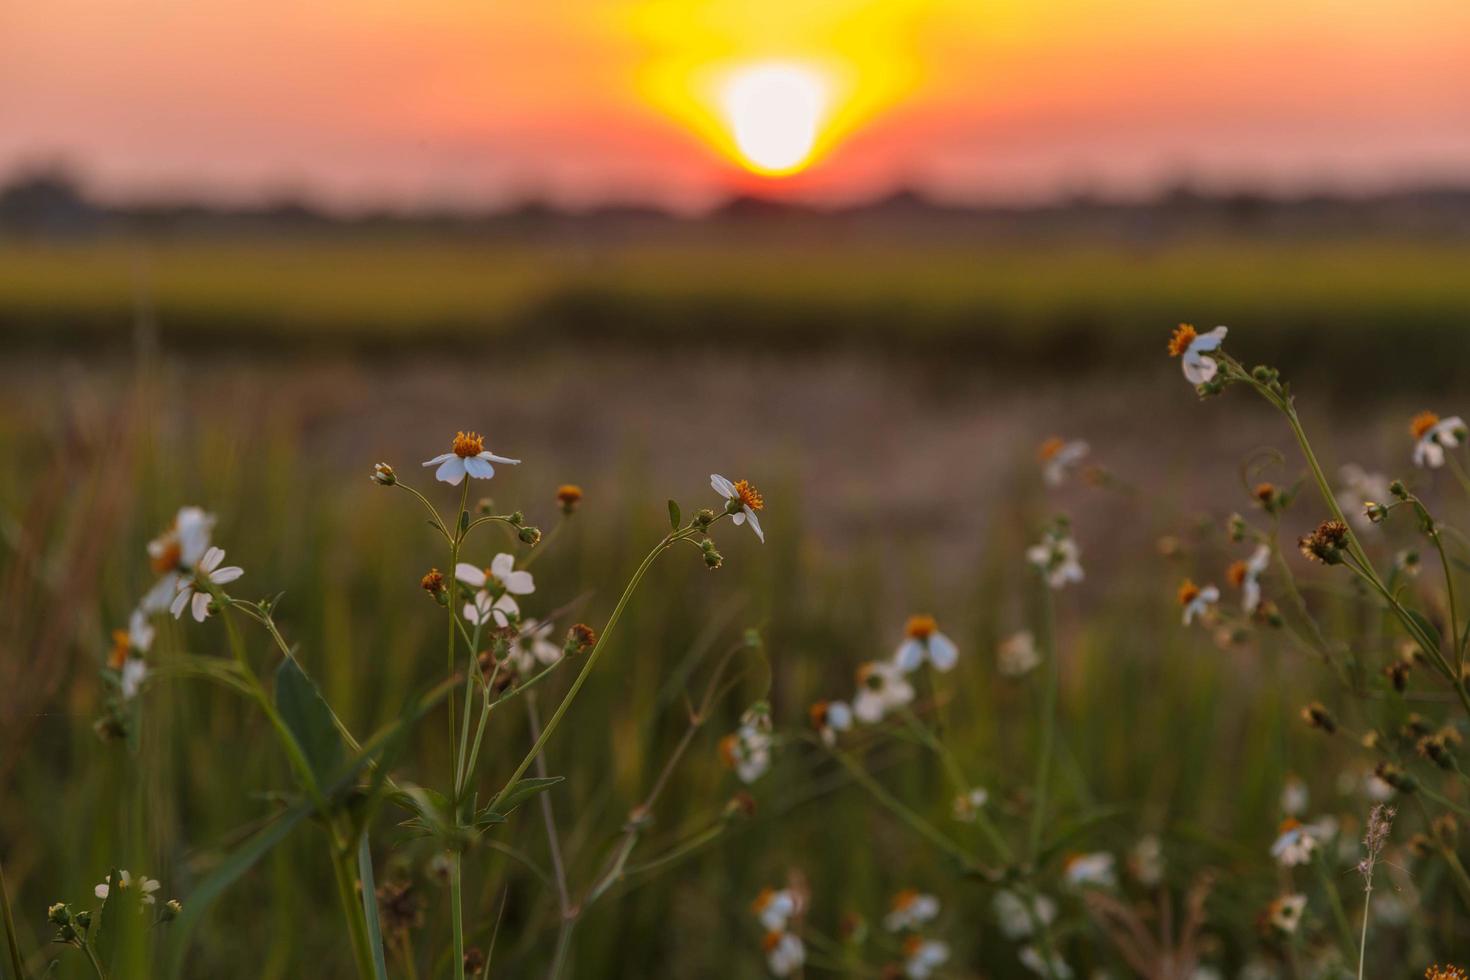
588	100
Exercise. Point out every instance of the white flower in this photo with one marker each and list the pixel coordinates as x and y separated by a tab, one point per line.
468	456
747	750
531	646
784	953
1198	368
500	577
1246	575
909	910
881	689
967	805
1434	435
1359	487
1017	654
1093	870
921	956
131	677
1056	556
1016	919
775	908
125	881
741	501
485	610
198	599
1032	960
923	641
1196	601
829	718
175	551
1293	796
1146	861
1294	844
1058	458
1285	912
140	631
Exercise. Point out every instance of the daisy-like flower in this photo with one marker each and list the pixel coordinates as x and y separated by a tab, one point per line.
501	577
1057	556
775	908
1196	601
910	909
1093	870
174	552
147	886
1294	796
966	806
533	646
1246	574
881	689
467	456
1032	960
486	610
192	596
1360	487
923	641
1294	843
921	957
1433	435
131	677
1192	346
747	751
1058	458
829	718
742	500
1017	654
1285	912
785	953
1018	920
136	639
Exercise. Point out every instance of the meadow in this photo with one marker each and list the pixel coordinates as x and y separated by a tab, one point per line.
262	382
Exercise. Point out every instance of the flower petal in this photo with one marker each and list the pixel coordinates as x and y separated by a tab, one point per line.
451	471
755	524
442	457
479	468
722	486
470	575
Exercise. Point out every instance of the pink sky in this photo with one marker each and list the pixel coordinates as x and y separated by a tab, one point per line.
360	101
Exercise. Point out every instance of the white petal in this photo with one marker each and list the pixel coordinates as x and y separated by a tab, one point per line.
909	656
211	560
1209	340
755	524
722	486
868	707
200	606
499	459
479	468
839	716
1198	368
180	601
470	575
451	471
943	654
502	565
226	575
438	459
738	519
519	583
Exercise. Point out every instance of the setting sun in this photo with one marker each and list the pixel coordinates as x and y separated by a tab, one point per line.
775	111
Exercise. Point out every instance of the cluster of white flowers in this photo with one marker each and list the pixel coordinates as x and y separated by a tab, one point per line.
146	887
1246	576
1094	870
1433	435
1059	458
910	911
778	911
496	587
1057	557
1296	842
1017	654
747	750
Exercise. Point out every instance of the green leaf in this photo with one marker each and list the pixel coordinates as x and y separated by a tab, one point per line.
305	712
370	907
676	519
120	923
520	793
12	943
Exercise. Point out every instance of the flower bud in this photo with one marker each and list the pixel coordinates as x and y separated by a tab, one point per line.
713	559
58	914
1395	777
518	518
433	583
1446	829
383	475
1374	511
704	518
530	535
1316	715
484	506
580	639
1236	528
1398	674
83	919
1433	748
1398	489
170	910
568	496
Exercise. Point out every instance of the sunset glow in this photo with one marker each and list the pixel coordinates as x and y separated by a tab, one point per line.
775	112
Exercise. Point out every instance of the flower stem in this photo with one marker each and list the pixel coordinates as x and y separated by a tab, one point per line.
1048	721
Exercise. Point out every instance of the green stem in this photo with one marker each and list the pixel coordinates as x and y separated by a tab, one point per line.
1363	939
1334	900
92	959
456	913
353	909
1048	721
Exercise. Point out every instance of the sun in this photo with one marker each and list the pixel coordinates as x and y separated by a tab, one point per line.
775	112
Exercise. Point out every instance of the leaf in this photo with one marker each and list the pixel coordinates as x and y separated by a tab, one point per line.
12	943
1425	626
675	516
370	907
305	712
120	922
518	794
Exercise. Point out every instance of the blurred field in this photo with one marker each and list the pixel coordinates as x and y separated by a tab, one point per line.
1034	302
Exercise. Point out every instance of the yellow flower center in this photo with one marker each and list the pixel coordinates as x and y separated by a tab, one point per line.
904	899
1184	335
912	945
1236	573
772	940
727	751
467	444
1049	448
121	645
568	493
1188	592
1422	423
1287	825
818	714
749	495
168	559
763	899
920	627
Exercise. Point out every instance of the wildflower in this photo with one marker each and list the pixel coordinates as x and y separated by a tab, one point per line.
1032	960
1017	654
131	677
1448	972
383	475
921	956
1198	367
137	638
1375	838
147	886
967	805
208	570
775	908
1058	458
1196	601
1146	861
532	646
923	640
1433	436
433	582
1293	796
568	495
485	610
742	500
909	910
1285	913
1245	575
829	718
1395	777
174	552
580	639
1326	543
881	689
501	577
1294	843
1093	870
1057	558
1359	489
1316	715
1436	749
747	751
784	953
171	910
1269	497
467	456
1017	919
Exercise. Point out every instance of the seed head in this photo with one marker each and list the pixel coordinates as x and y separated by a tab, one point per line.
580	639
433	583
1326	543
1316	715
